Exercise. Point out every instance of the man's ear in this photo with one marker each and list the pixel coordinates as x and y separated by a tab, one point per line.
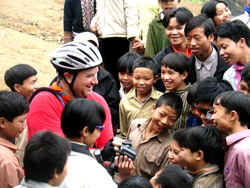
68	76
155	78
211	38
17	88
200	155
242	42
234	115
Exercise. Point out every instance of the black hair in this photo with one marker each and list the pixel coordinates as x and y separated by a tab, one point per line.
80	113
237	101
234	30
245	74
208	139
145	62
209	88
126	62
135	182
209	8
177	134
178	62
182	15
17	74
201	21
12	105
172	176
191	92
172	100
45	153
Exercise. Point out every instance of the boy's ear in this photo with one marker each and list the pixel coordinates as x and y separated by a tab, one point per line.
211	38
155	79
17	88
234	115
84	131
2	122
200	155
153	109
184	75
242	42
68	77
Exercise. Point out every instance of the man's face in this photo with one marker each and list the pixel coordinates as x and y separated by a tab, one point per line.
199	43
84	82
229	50
28	87
221	119
189	159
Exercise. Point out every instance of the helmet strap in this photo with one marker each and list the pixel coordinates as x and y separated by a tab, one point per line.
71	84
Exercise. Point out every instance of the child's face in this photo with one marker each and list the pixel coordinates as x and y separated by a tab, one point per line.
189	159
143	79
153	182
167	5
15	128
28	87
223	14
243	87
173	80
126	79
199	43
163	118
175	32
204	110
173	154
91	137
62	175
221	119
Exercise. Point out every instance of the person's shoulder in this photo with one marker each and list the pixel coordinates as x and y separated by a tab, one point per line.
96	97
206	181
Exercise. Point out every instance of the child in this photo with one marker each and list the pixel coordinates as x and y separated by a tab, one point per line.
174	73
151	137
13	111
175	149
140	99
171	176
22	79
156	37
135	181
193	117
201	153
45	160
82	128
174	22
125	73
233	39
231	117
206	60
244	86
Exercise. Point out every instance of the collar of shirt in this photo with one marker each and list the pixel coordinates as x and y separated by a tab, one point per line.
8	144
162	15
208	62
231	139
188	51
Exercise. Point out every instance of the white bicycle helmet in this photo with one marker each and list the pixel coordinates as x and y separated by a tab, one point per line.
86	36
75	56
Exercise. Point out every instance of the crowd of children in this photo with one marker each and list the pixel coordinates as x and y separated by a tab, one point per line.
195	134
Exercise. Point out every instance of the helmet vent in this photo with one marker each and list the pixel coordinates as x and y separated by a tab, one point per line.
86	54
66	64
94	53
77	59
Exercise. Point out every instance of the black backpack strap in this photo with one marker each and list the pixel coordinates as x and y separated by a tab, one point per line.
49	90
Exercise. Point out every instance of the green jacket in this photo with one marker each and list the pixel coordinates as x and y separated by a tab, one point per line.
156	39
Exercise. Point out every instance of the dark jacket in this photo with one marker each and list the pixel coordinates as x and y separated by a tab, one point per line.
220	69
108	89
158	58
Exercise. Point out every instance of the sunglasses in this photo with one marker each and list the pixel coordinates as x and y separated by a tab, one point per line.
208	112
100	127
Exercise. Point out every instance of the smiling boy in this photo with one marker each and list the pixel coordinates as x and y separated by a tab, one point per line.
233	39
231	117
174	72
206	60
140	99
13	111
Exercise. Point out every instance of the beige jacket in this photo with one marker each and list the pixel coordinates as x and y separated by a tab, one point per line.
116	18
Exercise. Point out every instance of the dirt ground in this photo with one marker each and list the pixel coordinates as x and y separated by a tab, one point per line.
30	30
